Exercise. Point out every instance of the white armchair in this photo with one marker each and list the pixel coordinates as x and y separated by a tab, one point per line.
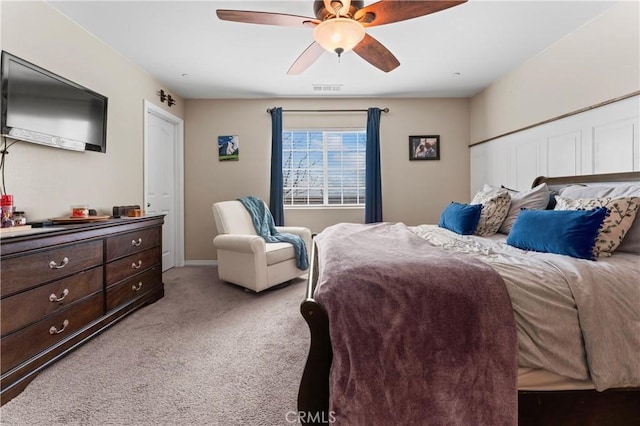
244	258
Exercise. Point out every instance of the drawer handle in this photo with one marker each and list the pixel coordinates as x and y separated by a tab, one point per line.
137	265
54	265
54	330
136	243
54	298
137	287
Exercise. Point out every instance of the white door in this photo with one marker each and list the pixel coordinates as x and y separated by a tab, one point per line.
162	140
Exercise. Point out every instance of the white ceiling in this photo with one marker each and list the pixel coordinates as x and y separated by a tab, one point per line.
196	55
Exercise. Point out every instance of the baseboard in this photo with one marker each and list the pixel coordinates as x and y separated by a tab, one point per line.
200	263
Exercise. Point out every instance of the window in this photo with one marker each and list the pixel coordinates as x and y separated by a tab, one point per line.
323	167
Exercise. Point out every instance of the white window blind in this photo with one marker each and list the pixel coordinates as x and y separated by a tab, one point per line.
323	167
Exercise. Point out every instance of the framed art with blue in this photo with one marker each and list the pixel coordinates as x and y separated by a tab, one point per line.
228	148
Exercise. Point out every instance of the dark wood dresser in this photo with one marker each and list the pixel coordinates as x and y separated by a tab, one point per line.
62	285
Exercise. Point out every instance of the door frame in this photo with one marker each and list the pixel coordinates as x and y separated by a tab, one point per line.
178	167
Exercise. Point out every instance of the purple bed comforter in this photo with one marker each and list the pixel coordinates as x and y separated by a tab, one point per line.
418	337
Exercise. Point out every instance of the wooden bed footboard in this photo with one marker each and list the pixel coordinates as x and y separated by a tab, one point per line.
614	407
313	395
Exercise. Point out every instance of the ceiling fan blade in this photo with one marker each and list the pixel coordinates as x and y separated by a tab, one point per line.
308	57
372	51
266	18
389	11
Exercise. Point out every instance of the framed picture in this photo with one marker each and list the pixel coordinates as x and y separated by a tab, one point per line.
228	148
424	147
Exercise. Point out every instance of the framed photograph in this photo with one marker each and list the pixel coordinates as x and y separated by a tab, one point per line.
228	148
424	147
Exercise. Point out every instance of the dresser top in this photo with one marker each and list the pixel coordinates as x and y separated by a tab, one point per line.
8	237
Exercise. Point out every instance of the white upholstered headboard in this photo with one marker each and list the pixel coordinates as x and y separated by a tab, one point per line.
601	140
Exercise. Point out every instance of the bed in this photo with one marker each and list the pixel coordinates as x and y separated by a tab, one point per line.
577	321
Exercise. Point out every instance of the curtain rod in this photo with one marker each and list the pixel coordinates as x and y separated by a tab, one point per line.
326	110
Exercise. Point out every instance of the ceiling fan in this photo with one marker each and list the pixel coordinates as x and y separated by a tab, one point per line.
340	25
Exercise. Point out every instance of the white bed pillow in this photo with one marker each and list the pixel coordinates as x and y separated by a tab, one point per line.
532	199
495	207
616	225
631	242
584	191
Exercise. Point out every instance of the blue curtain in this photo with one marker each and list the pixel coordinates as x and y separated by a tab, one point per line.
373	181
275	197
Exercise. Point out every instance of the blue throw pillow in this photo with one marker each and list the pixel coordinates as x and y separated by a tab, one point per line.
461	218
569	232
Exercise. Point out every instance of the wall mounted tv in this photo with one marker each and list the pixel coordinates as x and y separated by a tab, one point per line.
42	107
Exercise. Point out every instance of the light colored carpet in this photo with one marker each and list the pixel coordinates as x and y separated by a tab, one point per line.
208	353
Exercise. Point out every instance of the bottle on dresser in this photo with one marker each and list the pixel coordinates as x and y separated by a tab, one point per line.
7	209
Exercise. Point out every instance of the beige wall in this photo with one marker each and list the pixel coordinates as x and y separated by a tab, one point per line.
413	191
45	181
598	62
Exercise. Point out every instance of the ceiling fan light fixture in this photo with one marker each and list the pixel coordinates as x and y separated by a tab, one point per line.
338	34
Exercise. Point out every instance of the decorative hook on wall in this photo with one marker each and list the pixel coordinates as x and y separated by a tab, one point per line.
166	97
163	96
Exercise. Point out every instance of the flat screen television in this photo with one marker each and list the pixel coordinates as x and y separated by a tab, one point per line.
42	107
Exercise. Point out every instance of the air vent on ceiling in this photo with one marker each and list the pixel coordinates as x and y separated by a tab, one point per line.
327	88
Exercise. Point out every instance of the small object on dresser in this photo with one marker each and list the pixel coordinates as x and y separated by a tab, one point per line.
120	211
19	218
134	213
116	213
80	211
7	220
6	210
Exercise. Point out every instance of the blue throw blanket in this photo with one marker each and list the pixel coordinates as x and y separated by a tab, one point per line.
263	223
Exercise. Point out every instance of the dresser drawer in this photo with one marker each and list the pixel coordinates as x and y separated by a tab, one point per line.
126	267
22	345
21	273
30	306
132	242
133	287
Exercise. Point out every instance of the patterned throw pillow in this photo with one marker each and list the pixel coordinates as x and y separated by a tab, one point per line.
631	241
495	207
532	199
622	212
